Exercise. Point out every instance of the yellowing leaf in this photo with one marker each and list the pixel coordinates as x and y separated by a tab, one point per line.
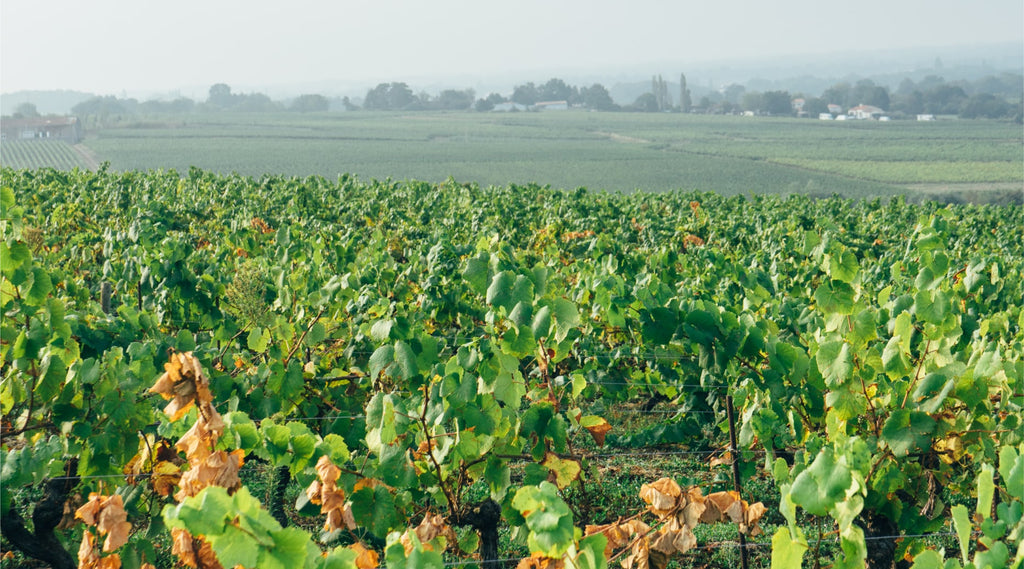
564	471
598	427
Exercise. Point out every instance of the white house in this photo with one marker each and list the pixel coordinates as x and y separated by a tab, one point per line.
825	116
835	109
552	106
925	117
865	112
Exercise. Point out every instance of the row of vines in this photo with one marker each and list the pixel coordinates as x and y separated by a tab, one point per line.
39	154
458	347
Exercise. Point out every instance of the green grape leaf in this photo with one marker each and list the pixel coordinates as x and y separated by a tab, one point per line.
843	267
788	553
477	272
931	391
835	361
541	326
962	526
658	325
819	487
292	547
499	294
834	297
547	517
1011	469
566	316
905	431
40	288
374	509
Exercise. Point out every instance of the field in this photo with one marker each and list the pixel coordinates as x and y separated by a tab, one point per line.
40	153
599	151
308	372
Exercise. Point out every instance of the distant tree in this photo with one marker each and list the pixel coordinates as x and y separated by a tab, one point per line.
734	93
660	91
453	100
647	103
348	104
986	105
100	106
778	103
906	87
910	103
944	100
685	102
393	96
753	101
220	96
525	94
400	96
26	111
310	104
930	82
483	105
839	94
255	103
815	106
597	97
180	105
556	90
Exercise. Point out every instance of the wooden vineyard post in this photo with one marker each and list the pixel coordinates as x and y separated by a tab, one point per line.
736	471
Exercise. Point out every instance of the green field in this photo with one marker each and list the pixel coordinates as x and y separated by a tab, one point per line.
599	151
40	153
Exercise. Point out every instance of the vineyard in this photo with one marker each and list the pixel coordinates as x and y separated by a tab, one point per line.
39	154
224	371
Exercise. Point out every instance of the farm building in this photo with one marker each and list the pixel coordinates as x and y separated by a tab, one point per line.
509	107
552	106
48	128
865	112
835	109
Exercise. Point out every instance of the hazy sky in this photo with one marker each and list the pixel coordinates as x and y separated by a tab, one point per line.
107	46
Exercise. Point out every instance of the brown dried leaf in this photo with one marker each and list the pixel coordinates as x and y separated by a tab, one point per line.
218	469
166	476
661	496
639	557
539	561
91	509
326	470
718	504
726	459
87	551
690	515
206	557
347	517
616	535
185	384
113	522
109	562
365	558
314	491
182	547
752	516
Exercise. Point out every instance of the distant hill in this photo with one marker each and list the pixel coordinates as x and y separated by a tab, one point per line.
46	102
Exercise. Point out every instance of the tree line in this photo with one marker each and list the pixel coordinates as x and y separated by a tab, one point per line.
995	97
